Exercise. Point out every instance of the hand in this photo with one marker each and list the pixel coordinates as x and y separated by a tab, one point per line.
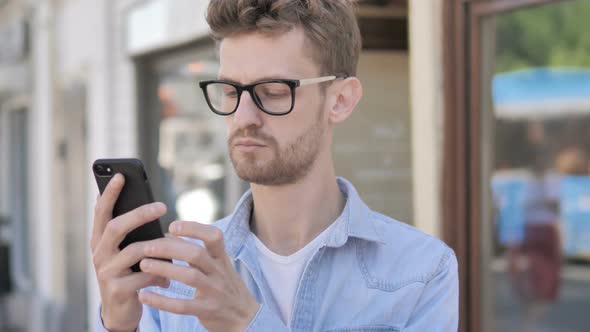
222	301
121	309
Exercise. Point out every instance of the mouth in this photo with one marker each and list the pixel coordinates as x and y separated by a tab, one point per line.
248	145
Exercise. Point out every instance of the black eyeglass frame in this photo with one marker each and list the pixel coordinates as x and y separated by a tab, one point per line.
293	84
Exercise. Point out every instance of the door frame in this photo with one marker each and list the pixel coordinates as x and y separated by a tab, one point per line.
461	180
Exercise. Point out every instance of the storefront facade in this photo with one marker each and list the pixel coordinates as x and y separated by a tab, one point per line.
118	79
100	79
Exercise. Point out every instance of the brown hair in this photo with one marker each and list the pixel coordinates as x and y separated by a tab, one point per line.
330	26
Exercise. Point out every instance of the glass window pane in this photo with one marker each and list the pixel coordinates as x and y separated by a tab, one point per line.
18	184
274	97
195	177
222	97
536	145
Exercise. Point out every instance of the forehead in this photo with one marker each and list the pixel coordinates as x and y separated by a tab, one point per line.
248	57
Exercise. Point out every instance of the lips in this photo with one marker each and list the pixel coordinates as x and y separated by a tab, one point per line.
248	145
248	142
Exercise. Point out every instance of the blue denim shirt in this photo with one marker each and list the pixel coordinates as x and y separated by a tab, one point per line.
372	273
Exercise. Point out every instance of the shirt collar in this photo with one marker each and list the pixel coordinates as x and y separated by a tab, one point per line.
355	221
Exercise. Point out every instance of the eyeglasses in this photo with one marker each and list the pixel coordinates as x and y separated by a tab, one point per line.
274	97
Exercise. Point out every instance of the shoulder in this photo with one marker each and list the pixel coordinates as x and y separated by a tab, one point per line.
406	252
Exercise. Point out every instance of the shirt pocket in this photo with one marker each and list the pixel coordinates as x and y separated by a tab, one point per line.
366	328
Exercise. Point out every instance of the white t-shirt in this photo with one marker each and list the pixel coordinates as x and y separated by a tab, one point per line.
282	273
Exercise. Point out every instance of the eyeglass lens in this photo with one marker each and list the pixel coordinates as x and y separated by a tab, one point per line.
273	97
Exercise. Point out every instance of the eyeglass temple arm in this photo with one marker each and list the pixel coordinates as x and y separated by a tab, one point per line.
318	80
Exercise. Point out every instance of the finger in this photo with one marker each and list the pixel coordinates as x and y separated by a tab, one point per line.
130	284
119	227
179	249
121	263
177	306
103	210
210	235
186	275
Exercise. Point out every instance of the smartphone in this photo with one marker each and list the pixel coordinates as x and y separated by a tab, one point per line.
135	193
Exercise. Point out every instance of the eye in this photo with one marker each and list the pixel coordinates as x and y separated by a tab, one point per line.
274	94
273	90
230	92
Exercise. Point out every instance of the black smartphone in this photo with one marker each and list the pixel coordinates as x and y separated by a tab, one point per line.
135	193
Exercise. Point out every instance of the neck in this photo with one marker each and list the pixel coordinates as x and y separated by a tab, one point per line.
286	218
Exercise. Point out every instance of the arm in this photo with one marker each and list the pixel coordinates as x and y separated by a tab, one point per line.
437	310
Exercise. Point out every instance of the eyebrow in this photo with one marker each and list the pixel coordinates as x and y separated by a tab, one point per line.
260	79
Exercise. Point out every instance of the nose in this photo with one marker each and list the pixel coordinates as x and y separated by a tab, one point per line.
247	114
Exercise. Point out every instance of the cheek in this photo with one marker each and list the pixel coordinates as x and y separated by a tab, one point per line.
294	130
230	127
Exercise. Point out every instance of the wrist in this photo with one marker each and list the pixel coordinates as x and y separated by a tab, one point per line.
111	328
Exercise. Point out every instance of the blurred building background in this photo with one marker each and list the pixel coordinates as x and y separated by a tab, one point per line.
473	127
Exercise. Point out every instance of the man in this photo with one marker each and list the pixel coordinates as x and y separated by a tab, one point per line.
301	252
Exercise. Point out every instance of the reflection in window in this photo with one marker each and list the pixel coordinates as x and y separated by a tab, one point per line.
539	74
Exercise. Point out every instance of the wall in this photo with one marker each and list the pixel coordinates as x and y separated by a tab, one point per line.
372	148
426	93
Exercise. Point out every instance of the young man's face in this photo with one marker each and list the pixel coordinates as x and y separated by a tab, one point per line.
267	149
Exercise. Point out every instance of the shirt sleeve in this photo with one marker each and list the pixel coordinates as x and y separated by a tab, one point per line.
266	320
437	309
149	321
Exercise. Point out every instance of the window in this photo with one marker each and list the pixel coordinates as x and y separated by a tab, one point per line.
183	142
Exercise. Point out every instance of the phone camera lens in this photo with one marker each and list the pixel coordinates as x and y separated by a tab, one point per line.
103	170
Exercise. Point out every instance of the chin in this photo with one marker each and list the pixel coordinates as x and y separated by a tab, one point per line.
268	176
253	173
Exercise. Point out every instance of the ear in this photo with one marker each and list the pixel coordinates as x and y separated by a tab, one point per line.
347	94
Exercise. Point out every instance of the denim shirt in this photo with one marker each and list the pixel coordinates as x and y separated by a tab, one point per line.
372	273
